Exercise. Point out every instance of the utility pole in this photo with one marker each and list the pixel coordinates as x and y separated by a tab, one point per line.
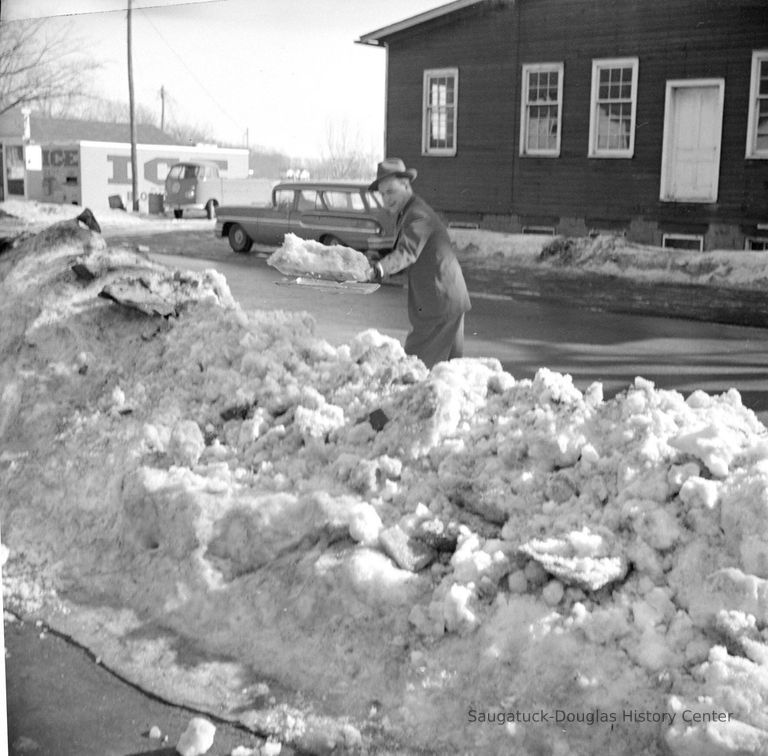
162	108
134	171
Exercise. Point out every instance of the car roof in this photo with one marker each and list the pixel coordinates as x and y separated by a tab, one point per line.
322	185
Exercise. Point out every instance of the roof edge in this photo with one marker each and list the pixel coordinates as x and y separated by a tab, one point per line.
375	37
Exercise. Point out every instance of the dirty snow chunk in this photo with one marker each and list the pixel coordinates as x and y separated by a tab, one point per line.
306	257
155	733
316	423
378	581
365	524
744	518
714	445
553	593
186	443
197	739
580	558
408	553
457	613
736	590
271	748
715	738
701	492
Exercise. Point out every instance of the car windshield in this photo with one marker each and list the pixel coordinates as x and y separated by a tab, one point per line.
183	171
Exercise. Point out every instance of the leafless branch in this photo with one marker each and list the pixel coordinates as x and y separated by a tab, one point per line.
39	65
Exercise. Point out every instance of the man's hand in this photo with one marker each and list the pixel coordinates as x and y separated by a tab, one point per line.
375	272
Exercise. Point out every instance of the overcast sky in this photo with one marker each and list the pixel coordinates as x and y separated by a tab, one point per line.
280	70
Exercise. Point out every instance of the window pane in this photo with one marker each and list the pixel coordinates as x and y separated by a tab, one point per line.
449	84
441	112
613	113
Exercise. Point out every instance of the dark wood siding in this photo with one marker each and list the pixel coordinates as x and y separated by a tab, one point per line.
673	39
478	179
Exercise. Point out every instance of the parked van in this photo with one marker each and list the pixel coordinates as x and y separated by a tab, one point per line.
198	185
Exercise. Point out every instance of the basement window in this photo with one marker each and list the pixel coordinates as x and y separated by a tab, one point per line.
756	243
694	242
543	230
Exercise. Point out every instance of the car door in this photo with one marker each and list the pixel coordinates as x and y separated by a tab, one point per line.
308	219
271	224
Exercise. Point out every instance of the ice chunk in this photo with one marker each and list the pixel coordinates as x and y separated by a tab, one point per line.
580	558
306	257
197	739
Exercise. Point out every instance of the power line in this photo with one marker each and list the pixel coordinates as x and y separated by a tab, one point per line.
189	70
156	6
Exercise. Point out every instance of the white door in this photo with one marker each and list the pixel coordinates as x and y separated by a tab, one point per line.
693	120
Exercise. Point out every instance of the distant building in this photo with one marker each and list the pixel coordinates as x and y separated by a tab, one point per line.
89	162
643	117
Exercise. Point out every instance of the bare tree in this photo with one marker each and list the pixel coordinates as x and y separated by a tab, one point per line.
342	155
37	65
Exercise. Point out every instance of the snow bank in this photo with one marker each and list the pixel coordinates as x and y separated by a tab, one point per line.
341	549
613	255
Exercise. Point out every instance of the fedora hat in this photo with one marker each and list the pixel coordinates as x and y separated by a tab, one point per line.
392	167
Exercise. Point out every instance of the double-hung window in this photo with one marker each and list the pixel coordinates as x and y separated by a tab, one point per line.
541	111
757	128
613	108
441	90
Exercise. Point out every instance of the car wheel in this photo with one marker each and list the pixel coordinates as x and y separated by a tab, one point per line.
330	241
210	209
238	239
178	213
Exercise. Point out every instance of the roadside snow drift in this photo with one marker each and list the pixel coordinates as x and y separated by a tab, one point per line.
343	550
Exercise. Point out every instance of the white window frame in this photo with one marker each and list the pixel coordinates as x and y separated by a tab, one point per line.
525	104
599	64
426	130
758	57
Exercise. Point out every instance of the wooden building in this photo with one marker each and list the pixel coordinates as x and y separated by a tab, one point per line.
644	117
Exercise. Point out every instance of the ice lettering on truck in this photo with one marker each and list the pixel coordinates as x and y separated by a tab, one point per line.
120	165
156	170
61	158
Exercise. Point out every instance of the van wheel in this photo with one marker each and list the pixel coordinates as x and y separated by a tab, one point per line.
210	209
238	239
330	241
178	213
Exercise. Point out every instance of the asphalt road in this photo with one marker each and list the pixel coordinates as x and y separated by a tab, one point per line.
524	322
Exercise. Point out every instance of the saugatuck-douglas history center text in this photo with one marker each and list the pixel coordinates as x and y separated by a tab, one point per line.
595	716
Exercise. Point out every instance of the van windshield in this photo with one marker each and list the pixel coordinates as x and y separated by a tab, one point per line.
183	171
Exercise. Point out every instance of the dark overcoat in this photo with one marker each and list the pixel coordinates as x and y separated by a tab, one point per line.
437	293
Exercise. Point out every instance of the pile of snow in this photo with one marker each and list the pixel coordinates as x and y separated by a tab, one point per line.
341	549
307	257
614	255
35	215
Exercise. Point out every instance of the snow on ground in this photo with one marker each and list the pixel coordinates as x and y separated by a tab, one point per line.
615	256
604	255
342	549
